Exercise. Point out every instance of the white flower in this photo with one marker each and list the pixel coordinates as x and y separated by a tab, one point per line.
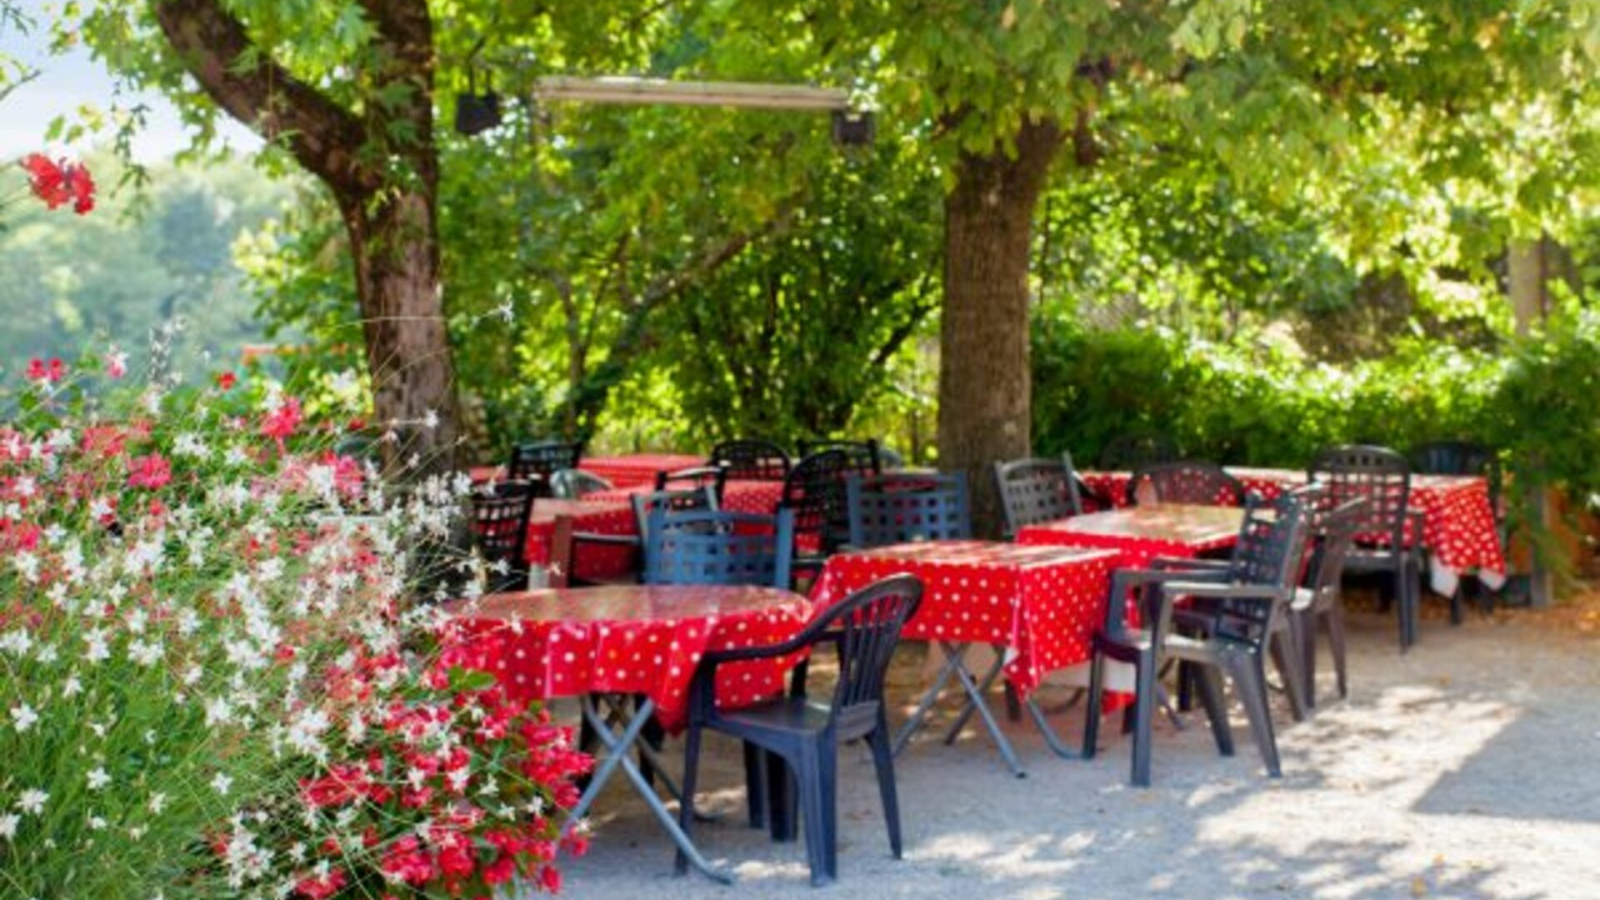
17	642
23	716
158	802
32	801
98	779
72	688
8	825
221	783
98	650
430	420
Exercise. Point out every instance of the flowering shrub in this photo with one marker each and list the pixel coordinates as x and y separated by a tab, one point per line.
211	681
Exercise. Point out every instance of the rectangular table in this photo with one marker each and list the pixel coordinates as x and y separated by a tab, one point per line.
1036	606
637	469
1458	522
1142	533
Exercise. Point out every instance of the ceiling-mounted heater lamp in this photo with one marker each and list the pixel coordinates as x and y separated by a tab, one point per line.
475	112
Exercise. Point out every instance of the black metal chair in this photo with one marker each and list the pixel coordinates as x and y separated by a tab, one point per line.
892	509
1039	489
814	492
865	456
713	477
1319	605
536	462
805	734
500	515
1245	600
1187	481
574	484
1126	452
750	460
1389	537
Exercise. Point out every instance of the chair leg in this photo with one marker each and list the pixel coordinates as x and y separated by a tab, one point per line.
1144	706
818	825
1335	623
1093	706
1286	657
1013	704
883	761
1185	687
783	804
1208	684
755	784
1250	681
1303	632
691	767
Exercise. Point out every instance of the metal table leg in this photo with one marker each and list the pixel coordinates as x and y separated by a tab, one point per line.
955	665
618	746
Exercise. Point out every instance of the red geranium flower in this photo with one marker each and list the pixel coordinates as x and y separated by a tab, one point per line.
56	183
151	471
226	380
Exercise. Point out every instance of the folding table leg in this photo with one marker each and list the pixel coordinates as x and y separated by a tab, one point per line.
618	747
975	696
971	706
925	705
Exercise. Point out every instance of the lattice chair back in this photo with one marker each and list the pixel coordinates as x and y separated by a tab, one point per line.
700	499
865	457
750	460
1377	475
1130	451
500	529
536	462
1460	458
893	509
574	484
866	626
713	477
713	547
1036	490
1188	481
1268	554
815	492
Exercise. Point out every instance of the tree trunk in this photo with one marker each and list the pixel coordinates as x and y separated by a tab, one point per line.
985	385
1530	276
395	246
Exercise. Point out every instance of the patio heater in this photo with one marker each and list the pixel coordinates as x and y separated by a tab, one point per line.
851	127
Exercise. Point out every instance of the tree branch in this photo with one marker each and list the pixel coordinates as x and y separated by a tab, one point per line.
323	136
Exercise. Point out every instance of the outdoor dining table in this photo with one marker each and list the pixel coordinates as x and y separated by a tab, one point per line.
606	646
1458	521
1142	533
1037	607
637	469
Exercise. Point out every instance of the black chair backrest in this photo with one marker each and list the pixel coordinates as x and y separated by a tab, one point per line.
815	493
537	461
1187	481
1130	451
1459	458
1335	530
713	547
500	521
1377	475
865	626
713	477
893	509
573	484
1268	554
751	460
1037	490
688	500
865	456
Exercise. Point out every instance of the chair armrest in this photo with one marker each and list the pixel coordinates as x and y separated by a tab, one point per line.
1200	568
1211	589
619	540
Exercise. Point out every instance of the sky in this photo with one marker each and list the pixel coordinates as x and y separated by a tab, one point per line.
73	80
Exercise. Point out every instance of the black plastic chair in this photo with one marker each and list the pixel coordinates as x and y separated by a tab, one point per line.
1188	481
815	493
500	516
1126	452
714	547
1038	489
1244	599
574	484
804	734
536	462
1318	607
750	460
713	477
1382	477
893	509
865	456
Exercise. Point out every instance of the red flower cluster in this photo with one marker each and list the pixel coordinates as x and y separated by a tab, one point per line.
152	471
59	182
53	371
281	422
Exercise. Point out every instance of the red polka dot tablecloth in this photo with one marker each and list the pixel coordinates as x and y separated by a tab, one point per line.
1041	603
1458	525
1142	533
637	469
632	639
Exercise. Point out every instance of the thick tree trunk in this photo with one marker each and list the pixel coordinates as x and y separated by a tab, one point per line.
985	386
395	246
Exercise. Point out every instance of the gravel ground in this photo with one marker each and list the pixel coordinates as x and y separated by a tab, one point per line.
1464	769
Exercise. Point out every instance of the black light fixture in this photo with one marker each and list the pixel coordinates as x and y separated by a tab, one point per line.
475	112
853	128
